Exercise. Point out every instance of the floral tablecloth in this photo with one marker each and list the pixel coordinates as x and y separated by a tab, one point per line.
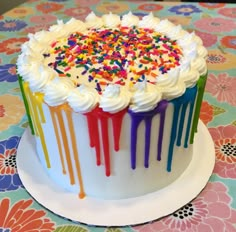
215	208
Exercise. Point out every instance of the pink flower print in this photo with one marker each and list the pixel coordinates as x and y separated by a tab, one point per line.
43	19
223	87
225	148
210	211
207	38
228	12
216	24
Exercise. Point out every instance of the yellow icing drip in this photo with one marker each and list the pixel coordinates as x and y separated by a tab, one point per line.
53	116
75	151
58	111
36	110
29	100
39	98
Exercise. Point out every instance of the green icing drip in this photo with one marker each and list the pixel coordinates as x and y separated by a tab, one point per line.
201	88
26	104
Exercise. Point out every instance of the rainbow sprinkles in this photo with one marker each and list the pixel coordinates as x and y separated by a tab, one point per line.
129	90
125	54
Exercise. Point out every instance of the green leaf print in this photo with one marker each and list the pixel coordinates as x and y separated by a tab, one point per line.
233	123
113	230
217	110
70	228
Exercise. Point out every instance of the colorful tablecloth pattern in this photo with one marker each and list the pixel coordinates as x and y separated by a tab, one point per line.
214	210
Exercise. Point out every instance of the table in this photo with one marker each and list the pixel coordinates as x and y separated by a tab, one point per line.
215	208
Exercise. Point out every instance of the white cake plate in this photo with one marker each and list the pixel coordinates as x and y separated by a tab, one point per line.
132	211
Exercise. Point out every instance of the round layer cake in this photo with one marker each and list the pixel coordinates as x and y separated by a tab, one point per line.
113	102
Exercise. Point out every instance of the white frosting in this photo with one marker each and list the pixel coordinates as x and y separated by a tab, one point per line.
63	30
149	21
202	51
111	20
83	99
188	74
200	64
170	85
25	64
164	26
56	91
114	99
40	77
129	20
176	33
93	21
145	97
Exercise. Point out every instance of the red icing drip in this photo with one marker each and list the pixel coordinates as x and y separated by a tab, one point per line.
94	135
105	141
93	118
117	123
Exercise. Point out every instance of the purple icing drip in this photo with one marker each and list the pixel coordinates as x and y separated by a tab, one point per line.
134	128
148	123
136	119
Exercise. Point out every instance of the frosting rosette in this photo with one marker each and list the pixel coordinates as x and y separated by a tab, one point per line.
145	97
170	85
57	91
165	26
93	21
129	20
111	20
188	74
83	99
39	78
149	21
62	29
114	99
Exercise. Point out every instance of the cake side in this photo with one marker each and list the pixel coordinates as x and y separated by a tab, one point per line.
133	124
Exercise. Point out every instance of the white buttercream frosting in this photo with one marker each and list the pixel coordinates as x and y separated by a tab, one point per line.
39	78
170	84
200	64
176	33
111	20
145	97
164	26
57	91
129	20
93	21
62	29
189	75
114	98
83	99
149	21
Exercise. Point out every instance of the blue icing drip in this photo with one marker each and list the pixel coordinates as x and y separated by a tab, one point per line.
177	104
181	123
193	97
188	99
181	102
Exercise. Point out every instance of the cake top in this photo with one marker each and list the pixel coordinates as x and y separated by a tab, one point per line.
112	62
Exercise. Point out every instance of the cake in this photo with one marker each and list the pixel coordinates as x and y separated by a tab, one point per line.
113	102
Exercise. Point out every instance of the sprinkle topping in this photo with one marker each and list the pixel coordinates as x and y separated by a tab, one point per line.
123	56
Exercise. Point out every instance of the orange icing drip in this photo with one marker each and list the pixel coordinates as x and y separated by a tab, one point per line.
53	116
75	151
36	100
58	111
